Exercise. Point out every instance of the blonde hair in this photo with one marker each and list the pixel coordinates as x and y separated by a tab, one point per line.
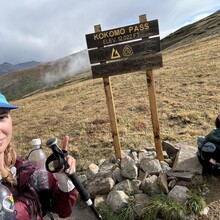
10	159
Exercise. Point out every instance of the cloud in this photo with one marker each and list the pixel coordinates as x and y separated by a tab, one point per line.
45	30
68	67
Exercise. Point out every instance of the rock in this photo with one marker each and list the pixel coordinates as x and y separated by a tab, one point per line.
100	199
116	175
141	173
99	186
117	200
107	166
128	168
170	149
186	159
179	194
162	182
142	154
152	167
92	170
165	166
124	186
149	185
186	176
140	202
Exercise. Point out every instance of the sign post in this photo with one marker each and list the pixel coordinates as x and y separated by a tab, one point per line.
111	109
153	107
122	50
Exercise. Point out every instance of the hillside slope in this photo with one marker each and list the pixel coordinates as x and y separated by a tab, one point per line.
16	85
203	28
187	90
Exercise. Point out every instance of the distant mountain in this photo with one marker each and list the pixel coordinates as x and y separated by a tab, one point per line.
7	67
20	83
60	72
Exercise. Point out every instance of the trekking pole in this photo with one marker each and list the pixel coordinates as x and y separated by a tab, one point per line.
59	162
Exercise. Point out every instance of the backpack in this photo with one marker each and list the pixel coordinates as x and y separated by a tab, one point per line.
209	155
38	203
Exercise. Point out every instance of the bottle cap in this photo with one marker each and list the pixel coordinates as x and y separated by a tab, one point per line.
36	141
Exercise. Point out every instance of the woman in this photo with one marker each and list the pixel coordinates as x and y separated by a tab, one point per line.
16	174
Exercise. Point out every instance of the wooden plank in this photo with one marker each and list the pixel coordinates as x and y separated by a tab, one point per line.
122	34
112	116
153	107
125	50
125	66
154	114
111	111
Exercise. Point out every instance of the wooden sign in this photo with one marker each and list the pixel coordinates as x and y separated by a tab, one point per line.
130	65
122	34
119	58
125	50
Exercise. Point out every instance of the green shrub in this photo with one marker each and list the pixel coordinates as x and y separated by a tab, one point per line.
165	208
107	213
195	203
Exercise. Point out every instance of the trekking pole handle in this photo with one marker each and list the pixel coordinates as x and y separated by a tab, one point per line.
57	162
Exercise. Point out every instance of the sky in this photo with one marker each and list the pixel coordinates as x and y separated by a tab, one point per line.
47	30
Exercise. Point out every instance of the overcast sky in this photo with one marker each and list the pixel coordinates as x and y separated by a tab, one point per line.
46	30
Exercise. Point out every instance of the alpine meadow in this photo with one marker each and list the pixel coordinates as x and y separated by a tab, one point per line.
187	92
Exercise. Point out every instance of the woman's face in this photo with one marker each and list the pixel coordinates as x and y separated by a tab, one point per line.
5	129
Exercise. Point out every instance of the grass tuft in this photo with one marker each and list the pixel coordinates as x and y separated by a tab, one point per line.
196	202
163	207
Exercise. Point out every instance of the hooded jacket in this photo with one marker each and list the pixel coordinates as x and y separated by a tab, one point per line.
29	203
214	136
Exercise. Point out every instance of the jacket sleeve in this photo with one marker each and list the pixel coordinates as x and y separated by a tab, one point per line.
62	202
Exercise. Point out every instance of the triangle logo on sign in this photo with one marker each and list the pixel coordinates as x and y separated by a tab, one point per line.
115	54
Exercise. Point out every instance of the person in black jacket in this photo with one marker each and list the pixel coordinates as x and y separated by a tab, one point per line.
209	149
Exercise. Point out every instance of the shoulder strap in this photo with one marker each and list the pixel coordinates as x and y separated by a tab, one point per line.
26	191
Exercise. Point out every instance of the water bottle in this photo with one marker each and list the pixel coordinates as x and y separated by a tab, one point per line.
38	158
6	204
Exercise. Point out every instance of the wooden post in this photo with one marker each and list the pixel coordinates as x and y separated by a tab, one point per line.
111	110
153	107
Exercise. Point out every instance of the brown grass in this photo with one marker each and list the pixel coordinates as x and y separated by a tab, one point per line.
188	101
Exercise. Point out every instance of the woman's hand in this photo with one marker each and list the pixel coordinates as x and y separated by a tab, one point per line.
64	183
71	161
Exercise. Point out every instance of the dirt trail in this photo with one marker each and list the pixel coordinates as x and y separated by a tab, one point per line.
80	212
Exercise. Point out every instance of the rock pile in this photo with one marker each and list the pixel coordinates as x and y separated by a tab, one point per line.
142	173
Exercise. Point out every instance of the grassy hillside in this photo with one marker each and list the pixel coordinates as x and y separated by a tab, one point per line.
188	101
187	97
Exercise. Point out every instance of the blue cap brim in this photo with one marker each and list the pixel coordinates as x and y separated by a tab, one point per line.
4	103
6	106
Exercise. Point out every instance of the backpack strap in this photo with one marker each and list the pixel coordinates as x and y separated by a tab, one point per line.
27	193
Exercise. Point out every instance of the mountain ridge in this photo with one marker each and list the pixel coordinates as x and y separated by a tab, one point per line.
207	26
59	72
8	67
